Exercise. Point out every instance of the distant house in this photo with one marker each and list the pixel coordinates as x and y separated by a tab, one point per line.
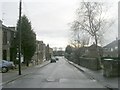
111	49
51	52
0	40
58	53
39	55
93	51
47	52
8	36
119	48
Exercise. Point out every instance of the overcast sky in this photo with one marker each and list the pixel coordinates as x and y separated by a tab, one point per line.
50	18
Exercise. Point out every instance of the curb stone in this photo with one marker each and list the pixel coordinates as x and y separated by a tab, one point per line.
20	76
14	79
90	76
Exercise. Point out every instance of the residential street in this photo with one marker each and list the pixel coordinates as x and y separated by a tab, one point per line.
55	75
60	44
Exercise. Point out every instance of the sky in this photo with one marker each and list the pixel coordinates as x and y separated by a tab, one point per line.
50	18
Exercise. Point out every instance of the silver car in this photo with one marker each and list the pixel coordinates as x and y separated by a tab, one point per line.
6	65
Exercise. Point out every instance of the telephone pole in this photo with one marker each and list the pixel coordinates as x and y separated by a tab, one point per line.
20	37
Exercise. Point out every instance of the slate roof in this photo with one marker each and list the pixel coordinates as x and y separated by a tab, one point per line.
112	44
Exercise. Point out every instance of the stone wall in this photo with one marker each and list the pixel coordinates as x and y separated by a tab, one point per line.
91	63
0	40
111	67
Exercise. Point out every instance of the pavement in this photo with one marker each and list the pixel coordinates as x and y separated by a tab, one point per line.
98	75
50	75
55	75
13	74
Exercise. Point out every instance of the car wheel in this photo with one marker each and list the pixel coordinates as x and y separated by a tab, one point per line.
4	69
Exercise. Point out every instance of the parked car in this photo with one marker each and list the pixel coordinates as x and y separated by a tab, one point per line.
53	60
6	65
56	59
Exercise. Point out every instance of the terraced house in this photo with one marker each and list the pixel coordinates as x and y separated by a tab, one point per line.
111	49
8	36
0	39
39	55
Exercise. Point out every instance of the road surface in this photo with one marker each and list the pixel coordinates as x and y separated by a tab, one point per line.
55	75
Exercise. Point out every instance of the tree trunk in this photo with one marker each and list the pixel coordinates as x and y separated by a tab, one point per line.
97	50
96	41
27	63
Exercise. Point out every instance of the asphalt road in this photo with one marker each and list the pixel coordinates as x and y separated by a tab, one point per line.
55	75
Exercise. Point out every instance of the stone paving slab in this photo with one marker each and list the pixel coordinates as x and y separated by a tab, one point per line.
13	74
98	75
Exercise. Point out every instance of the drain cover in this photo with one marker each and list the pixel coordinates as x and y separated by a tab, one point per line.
50	79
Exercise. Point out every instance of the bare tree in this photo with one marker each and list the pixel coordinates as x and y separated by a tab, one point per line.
91	19
79	38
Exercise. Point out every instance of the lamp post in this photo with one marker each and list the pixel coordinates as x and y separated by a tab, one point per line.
20	37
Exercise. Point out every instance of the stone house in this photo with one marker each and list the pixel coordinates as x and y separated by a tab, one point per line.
111	49
39	55
0	40
51	52
94	52
8	36
91	51
47	52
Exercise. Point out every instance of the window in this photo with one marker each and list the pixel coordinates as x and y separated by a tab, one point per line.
4	55
111	49
116	48
11	36
4	37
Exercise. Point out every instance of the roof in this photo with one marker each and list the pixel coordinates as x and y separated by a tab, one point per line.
112	44
8	28
93	46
